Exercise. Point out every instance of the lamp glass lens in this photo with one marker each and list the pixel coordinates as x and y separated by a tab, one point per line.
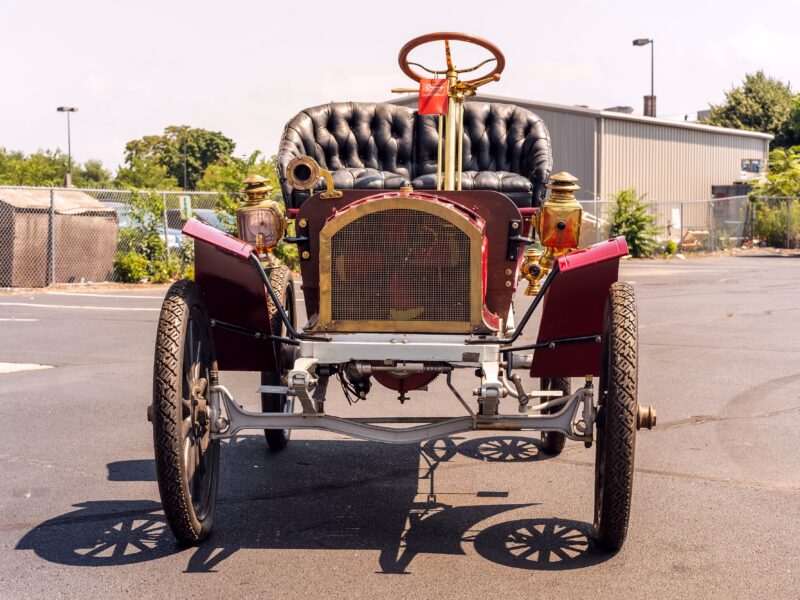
260	228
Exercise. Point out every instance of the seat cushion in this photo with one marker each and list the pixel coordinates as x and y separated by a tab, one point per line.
513	185
367	179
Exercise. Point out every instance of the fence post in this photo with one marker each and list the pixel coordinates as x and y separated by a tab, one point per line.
788	223
712	226
166	225
680	233
50	277
596	221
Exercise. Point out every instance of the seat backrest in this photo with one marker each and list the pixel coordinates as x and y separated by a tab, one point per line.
497	137
348	135
394	138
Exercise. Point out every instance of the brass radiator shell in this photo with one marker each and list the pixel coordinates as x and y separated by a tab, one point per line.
449	296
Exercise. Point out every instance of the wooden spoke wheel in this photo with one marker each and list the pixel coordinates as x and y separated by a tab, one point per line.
187	459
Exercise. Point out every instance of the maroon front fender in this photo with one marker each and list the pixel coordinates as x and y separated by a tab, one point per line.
234	293
573	307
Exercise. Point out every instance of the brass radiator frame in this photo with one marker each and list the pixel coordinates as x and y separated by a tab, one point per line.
325	322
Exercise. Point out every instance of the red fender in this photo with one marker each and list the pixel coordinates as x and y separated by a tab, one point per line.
234	292
574	306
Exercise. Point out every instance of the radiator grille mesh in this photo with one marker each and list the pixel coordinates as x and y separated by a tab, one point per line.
400	265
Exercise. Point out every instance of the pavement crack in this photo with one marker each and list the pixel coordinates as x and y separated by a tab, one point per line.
697	477
700	419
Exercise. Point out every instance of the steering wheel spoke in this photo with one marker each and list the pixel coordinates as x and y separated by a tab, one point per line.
424	68
447	55
475	68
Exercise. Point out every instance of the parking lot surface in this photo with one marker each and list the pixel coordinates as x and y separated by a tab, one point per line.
716	508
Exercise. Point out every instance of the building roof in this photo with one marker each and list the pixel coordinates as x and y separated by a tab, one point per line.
67	202
606	114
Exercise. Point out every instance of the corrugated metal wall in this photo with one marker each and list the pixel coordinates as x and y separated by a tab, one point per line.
573	140
663	160
671	163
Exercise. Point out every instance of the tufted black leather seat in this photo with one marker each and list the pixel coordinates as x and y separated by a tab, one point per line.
380	146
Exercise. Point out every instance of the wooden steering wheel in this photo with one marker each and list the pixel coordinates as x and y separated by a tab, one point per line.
497	57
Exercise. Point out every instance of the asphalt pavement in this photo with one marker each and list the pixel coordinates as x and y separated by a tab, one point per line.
716	507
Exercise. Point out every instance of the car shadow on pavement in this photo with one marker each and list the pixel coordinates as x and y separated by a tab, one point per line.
331	494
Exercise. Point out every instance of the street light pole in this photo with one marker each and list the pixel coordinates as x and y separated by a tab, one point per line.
652	68
649	101
68	176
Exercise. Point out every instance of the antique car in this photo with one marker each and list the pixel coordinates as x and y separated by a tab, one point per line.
413	230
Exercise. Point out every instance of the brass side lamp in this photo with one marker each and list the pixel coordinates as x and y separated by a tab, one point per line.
558	225
260	221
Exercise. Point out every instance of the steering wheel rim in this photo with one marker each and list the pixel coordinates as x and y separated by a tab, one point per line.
402	58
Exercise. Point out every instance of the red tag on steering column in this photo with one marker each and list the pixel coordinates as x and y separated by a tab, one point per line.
433	96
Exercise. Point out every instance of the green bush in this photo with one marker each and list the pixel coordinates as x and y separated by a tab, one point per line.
671	248
131	267
631	220
772	222
162	271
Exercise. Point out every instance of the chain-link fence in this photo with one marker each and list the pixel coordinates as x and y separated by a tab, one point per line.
70	235
708	225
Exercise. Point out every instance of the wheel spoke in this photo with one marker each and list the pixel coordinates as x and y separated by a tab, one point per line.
190	462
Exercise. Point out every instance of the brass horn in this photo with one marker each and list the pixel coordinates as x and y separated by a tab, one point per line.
303	173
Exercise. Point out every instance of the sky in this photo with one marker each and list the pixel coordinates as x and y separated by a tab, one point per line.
245	68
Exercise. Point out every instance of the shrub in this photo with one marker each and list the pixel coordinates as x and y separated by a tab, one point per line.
772	222
162	271
630	219
131	267
671	248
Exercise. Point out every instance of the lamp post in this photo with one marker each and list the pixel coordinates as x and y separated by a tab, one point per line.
68	176
649	101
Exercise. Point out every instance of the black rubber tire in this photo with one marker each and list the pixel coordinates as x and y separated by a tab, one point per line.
616	419
281	280
552	441
184	359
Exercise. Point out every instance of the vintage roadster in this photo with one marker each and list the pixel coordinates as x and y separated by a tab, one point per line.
413	229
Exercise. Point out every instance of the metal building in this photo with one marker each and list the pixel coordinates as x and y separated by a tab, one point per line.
666	160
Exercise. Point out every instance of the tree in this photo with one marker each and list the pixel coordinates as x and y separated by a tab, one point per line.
199	148
794	119
45	167
761	103
145	174
91	174
228	174
783	175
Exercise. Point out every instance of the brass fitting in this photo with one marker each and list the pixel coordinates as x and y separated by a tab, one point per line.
529	269
645	417
303	172
558	225
256	189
